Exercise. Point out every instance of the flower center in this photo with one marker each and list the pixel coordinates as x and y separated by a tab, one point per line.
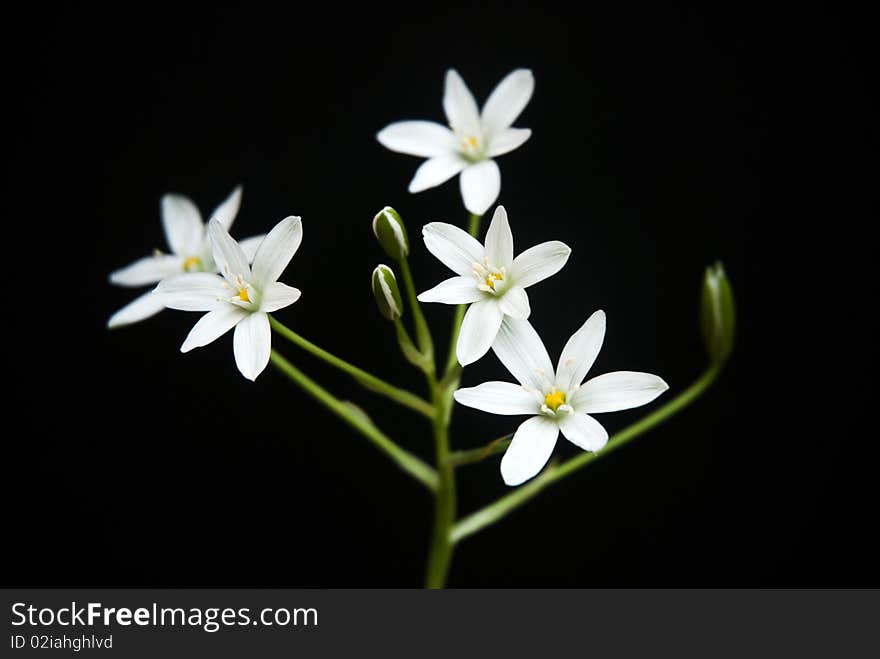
492	277
488	277
192	263
471	148
555	399
244	295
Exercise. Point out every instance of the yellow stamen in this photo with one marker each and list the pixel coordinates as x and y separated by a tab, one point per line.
191	263
472	141
492	278
554	399
242	295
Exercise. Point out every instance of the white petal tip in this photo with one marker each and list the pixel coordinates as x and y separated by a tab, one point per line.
465	360
512	480
415	189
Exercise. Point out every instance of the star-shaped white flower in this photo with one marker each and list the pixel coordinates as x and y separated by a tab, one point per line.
489	278
242	297
471	141
557	401
190	252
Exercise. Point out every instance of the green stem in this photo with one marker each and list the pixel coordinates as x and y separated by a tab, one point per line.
423	334
440	554
369	381
459	458
453	369
423	473
499	509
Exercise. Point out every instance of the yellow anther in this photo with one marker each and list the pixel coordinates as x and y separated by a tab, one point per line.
192	262
242	295
554	399
492	278
472	141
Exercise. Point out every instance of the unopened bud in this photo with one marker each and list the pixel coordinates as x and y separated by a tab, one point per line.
386	292
717	314
391	233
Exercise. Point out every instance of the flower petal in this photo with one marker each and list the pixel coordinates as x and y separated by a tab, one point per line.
227	210
620	390
252	344
230	259
499	398
454	247
459	104
478	331
141	308
507	100
417	138
213	325
530	450
539	262
148	270
515	303
435	171
183	226
277	296
250	246
580	352
455	290
276	250
196	291
522	352
583	431
508	140
499	240
480	186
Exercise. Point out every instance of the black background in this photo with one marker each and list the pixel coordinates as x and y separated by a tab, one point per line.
662	140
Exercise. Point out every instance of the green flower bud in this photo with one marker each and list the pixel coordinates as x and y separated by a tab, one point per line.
717	314
386	292
391	234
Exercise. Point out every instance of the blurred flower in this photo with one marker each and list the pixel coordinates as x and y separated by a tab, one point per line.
489	278
470	143
190	252
557	401
242	297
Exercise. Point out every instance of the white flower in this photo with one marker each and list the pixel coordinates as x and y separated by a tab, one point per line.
190	252
242	297
471	141
557	401
489	278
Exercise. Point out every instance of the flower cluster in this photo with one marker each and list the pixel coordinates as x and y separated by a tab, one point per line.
187	279
236	286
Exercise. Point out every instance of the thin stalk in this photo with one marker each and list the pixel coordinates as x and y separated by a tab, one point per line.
496	511
423	334
440	554
369	381
459	458
409	463
453	369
